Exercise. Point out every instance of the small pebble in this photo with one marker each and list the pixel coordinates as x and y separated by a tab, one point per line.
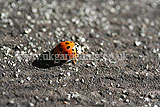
50	82
143	34
46	99
34	10
28	30
123	96
83	39
36	97
159	55
65	102
76	69
3	93
75	95
113	10
131	27
112	84
68	74
70	68
97	73
127	100
44	29
82	80
137	43
68	96
147	66
151	96
28	78
93	64
118	85
146	99
154	51
124	91
76	79
11	101
101	43
110	93
28	17
159	34
14	65
64	85
103	100
31	104
97	36
18	70
21	81
137	73
3	74
146	20
88	65
155	105
16	75
147	74
62	75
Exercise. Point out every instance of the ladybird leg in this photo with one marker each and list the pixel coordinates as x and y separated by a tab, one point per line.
74	60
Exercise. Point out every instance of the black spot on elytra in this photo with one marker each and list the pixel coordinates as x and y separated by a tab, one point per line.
72	49
66	52
68	47
59	45
66	43
61	49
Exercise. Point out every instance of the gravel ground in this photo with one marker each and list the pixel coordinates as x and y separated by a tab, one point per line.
125	32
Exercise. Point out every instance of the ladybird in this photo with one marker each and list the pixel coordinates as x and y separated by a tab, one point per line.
68	50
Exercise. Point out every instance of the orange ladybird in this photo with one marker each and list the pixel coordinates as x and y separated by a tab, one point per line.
68	50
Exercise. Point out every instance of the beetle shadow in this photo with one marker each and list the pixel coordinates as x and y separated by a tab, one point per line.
47	60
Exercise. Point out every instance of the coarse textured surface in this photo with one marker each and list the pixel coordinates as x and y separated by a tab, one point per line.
124	32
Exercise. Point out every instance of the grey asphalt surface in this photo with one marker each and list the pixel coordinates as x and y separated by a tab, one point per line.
125	33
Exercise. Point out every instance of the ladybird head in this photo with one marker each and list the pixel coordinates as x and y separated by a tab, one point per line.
79	48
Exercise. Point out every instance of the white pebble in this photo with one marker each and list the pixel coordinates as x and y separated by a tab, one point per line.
83	39
138	43
146	99
131	27
44	29
21	81
34	10
31	104
68	73
28	78
11	101
18	70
